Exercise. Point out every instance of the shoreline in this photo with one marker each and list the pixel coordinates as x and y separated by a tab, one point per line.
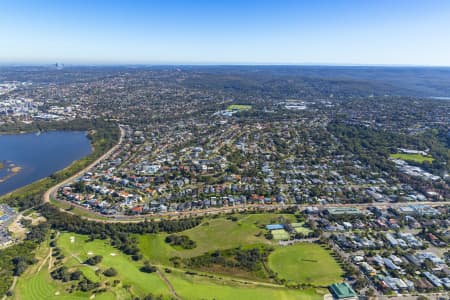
38	181
11	170
52	190
14	169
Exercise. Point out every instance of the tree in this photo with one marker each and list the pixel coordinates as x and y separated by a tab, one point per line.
147	268
110	272
94	260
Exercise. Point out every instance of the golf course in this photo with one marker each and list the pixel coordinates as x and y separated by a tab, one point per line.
300	263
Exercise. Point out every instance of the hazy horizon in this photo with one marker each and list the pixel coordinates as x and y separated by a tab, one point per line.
324	32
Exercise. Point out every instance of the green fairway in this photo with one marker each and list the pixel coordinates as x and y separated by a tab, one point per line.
196	287
128	270
305	263
239	107
419	158
209	236
39	286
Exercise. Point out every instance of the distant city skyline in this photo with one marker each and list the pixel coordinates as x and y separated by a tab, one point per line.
286	32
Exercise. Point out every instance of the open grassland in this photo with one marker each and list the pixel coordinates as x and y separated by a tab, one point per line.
211	235
305	263
419	158
239	107
196	287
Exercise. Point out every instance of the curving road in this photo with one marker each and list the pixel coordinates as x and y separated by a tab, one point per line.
51	192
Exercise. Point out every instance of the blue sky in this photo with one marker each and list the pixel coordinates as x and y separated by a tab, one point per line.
399	32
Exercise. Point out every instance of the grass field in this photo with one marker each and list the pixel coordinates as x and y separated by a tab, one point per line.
37	285
305	263
303	230
239	107
412	157
210	235
300	228
128	270
196	287
280	234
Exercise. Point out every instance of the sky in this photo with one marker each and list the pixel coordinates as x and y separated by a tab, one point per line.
336	32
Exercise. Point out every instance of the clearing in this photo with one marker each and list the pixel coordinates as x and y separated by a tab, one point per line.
419	158
239	107
305	263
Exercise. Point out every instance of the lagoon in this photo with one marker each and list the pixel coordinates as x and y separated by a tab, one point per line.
30	157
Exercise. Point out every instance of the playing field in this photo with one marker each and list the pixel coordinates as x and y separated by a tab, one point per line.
305	263
300	228
239	107
280	234
412	157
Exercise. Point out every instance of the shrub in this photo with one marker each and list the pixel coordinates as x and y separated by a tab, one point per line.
110	272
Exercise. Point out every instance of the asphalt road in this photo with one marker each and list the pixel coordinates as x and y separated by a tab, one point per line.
52	191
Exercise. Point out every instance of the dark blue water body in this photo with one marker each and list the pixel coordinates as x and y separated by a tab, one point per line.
40	155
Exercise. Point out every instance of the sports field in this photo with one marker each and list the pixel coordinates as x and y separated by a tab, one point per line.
305	263
412	157
280	234
239	107
300	228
